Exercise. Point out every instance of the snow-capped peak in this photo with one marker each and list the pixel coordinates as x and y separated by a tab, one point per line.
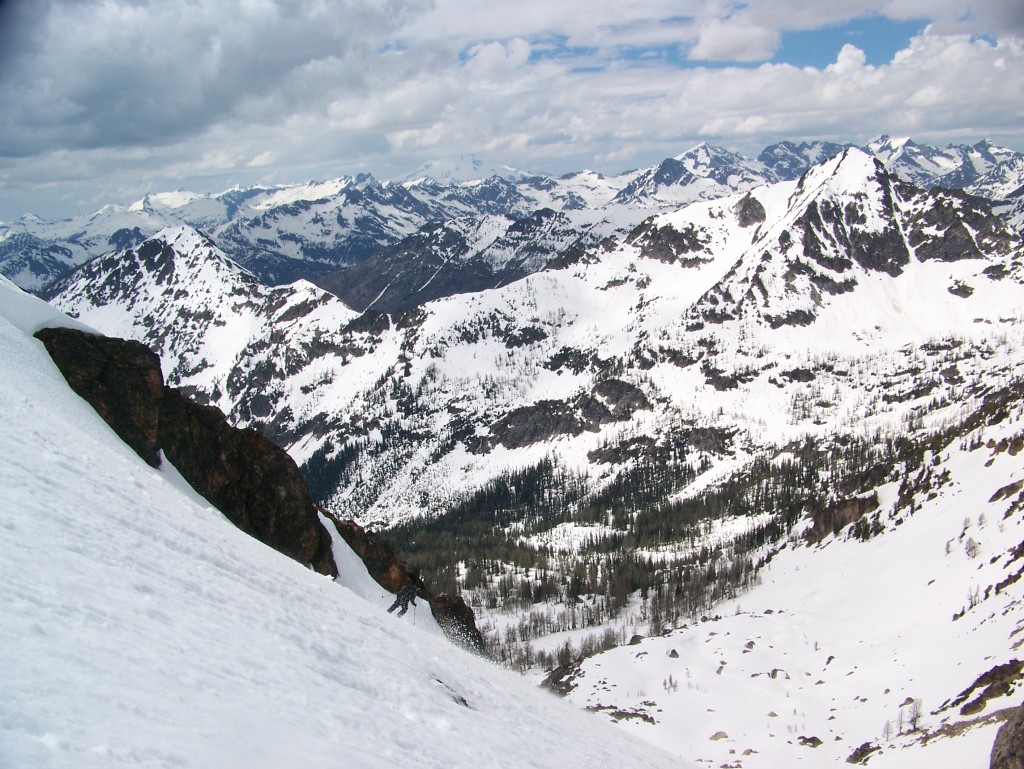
886	147
294	193
704	154
847	173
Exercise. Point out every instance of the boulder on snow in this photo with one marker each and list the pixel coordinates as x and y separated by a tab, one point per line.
456	619
862	753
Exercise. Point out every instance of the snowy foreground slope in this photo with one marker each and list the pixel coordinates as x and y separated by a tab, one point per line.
138	628
882	643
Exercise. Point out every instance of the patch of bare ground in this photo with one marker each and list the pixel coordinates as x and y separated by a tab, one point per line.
999	681
620	714
958	728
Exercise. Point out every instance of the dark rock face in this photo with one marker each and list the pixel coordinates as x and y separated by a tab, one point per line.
667	244
749	211
452	613
245	476
836	517
611	400
121	380
1008	749
249	479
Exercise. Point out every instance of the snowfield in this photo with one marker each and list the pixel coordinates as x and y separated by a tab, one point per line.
138	628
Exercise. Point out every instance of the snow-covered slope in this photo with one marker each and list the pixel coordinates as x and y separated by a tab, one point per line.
140	629
906	643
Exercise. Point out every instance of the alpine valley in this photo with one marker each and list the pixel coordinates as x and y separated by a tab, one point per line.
727	450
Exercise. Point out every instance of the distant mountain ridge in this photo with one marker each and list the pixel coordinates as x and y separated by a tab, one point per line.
311	230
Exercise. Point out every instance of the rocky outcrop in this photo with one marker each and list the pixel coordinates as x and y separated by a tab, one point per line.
610	400
749	211
452	613
968	230
120	379
252	481
999	681
687	247
835	517
1008	749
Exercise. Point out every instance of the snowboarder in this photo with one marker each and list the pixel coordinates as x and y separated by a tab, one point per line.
404	597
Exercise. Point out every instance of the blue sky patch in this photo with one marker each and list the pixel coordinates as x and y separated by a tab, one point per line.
880	38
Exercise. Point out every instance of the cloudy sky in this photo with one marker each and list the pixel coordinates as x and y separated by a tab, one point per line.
104	100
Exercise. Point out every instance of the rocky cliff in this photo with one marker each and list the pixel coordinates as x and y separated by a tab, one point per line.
255	483
1008	749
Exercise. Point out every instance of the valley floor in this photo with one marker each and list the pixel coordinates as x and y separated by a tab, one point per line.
849	643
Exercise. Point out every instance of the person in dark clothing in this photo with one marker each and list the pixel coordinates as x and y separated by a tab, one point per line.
404	597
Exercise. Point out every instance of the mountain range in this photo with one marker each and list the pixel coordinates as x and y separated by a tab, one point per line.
312	230
743	408
799	296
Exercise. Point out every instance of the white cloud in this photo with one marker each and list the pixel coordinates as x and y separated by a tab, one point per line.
850	59
123	94
263	159
495	59
734	41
